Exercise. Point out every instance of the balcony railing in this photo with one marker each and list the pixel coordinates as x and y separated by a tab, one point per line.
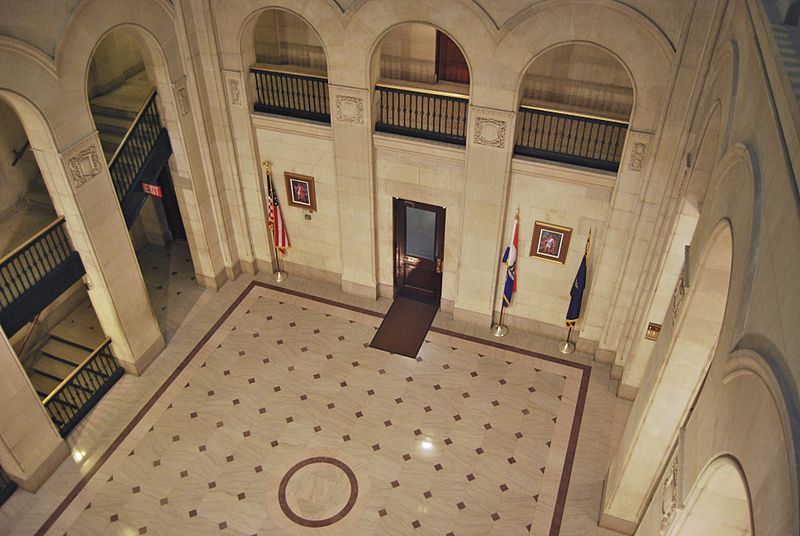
7	486
83	388
422	114
35	273
135	148
291	94
573	139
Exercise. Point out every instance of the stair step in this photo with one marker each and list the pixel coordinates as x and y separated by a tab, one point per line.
64	351
52	367
44	385
79	335
112	112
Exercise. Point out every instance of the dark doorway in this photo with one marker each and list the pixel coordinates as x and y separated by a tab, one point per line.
451	66
419	250
170	201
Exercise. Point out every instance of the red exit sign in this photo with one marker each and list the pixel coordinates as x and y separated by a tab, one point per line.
152	189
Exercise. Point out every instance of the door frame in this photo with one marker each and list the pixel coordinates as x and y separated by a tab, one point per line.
399	239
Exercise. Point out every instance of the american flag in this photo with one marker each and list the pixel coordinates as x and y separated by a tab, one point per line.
275	221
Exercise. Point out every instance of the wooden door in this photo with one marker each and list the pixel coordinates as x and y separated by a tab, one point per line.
451	66
419	250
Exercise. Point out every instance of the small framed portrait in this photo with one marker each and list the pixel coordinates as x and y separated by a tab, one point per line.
550	242
300	191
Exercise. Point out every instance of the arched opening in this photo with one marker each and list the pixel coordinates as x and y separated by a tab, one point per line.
126	110
674	376
575	105
422	84
52	337
697	176
289	67
719	503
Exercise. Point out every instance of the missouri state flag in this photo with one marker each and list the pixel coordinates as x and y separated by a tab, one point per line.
510	260
576	292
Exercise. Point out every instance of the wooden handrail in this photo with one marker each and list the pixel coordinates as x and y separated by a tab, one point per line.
133	125
573	114
75	371
32	239
267	68
423	90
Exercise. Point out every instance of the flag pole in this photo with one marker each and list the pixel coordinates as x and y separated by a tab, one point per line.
499	330
567	347
278	275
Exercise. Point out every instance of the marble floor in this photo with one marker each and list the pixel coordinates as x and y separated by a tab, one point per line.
268	413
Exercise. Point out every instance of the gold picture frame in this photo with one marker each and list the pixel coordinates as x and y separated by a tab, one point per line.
550	242
300	191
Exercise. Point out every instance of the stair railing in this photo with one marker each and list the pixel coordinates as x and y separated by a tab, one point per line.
579	139
421	113
7	486
19	154
31	261
135	147
83	388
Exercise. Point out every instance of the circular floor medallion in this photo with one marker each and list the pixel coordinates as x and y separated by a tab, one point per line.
316	489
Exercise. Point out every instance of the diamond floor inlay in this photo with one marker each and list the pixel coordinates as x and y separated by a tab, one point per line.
469	438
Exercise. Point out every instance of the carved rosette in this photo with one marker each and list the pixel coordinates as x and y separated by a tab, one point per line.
83	163
350	109
638	156
489	131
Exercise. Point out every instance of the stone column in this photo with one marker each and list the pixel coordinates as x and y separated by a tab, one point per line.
30	446
490	144
351	123
98	232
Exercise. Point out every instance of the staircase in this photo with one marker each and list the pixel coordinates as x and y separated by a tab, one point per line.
788	40
67	346
112	125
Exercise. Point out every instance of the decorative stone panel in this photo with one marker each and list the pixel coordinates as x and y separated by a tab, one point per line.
491	127
83	161
669	497
350	109
638	154
181	96
234	87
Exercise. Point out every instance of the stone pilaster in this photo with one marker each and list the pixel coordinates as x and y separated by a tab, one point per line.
352	145
98	232
30	446
490	145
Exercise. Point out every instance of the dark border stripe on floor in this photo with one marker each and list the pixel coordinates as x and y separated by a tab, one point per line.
569	458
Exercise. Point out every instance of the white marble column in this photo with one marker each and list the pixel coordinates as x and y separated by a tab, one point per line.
351	123
99	234
30	445
490	145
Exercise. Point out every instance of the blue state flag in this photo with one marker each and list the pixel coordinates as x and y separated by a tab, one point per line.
576	292
510	260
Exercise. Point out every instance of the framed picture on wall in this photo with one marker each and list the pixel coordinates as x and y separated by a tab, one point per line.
550	242
300	191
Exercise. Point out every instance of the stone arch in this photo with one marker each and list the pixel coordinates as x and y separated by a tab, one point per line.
236	27
372	21
374	54
691	195
674	376
248	27
577	42
592	23
718	502
766	371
